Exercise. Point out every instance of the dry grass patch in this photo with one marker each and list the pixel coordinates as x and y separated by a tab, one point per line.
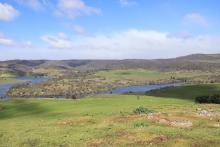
138	138
125	118
77	121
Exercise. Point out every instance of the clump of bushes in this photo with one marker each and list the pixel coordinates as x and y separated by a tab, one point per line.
142	110
215	99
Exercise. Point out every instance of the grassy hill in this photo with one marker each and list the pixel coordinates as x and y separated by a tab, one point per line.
191	62
109	120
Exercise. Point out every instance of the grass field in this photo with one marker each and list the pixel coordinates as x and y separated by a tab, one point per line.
108	120
155	76
134	74
9	80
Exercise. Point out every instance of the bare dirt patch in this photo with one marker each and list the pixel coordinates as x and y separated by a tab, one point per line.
126	118
96	143
132	138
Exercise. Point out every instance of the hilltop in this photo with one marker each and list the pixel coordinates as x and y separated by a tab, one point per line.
190	62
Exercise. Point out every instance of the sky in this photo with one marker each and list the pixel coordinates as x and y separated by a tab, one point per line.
108	29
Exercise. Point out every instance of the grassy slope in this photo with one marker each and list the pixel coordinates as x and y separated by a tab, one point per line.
187	92
134	74
151	75
101	121
9	81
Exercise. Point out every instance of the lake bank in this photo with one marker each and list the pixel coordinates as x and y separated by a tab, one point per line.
5	87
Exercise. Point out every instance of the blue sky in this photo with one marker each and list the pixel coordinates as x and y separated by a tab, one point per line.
107	29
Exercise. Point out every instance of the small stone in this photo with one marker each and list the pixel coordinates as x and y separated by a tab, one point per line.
181	123
198	109
217	125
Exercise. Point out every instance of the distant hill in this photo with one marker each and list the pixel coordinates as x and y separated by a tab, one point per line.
201	57
190	62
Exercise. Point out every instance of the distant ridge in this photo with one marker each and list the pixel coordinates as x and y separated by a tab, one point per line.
201	57
190	62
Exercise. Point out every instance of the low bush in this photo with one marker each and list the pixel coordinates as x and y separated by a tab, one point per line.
215	99
142	110
141	125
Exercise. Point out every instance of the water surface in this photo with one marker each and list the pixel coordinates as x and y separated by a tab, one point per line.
24	80
141	88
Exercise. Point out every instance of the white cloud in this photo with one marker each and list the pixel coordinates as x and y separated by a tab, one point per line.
74	8
195	18
5	41
79	30
137	44
180	35
125	3
60	41
7	12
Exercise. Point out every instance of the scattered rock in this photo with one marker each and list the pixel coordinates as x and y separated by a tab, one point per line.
181	123
162	119
205	113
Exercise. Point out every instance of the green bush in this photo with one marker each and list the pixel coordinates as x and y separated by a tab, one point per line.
215	99
142	110
202	99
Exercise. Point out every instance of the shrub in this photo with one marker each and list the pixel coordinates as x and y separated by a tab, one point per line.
215	99
202	99
142	110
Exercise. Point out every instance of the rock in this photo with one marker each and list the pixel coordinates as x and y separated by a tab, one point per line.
198	109
216	125
181	123
164	121
205	113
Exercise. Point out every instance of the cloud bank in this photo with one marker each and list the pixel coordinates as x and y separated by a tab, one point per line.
135	44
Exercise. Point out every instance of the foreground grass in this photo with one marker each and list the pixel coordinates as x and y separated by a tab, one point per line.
104	120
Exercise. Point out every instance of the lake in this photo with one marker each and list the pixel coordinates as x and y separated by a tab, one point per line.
127	89
141	88
26	80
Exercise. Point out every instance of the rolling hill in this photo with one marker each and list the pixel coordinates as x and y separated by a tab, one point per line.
206	62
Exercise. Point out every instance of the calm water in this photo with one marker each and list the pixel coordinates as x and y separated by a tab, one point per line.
141	88
30	80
